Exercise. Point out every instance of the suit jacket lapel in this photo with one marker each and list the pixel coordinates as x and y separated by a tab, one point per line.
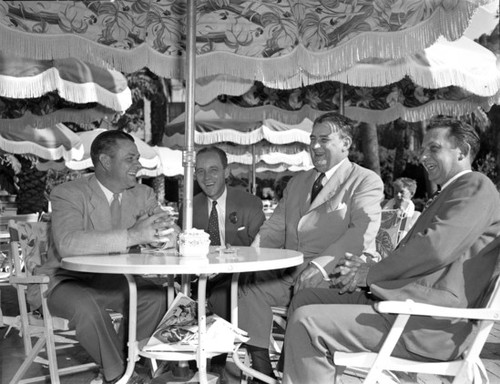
99	212
306	196
330	188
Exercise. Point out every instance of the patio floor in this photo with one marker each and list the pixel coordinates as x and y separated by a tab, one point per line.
11	356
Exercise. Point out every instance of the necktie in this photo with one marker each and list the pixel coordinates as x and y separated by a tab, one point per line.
317	186
116	211
431	199
213	225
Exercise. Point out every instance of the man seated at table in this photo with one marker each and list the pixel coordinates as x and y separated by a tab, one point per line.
447	259
231	216
327	211
106	213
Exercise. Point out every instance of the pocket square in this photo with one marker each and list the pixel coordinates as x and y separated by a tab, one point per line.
340	206
241	228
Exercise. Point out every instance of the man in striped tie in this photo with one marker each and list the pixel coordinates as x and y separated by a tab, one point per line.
447	258
108	212
325	212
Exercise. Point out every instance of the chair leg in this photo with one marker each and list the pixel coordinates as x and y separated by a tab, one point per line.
25	327
49	336
33	353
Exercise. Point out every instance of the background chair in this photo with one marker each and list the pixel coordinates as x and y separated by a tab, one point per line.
29	243
6	264
467	368
393	227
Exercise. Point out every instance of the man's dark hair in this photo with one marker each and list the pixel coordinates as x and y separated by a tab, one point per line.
213	149
339	123
106	142
463	133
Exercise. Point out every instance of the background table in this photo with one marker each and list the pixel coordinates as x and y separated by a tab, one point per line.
246	259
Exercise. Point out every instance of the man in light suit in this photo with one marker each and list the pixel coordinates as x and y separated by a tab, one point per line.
447	258
343	217
87	220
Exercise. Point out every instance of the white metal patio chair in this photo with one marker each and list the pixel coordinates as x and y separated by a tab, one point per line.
466	369
28	248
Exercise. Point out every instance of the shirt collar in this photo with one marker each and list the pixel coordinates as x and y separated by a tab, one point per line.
454	178
331	171
107	192
221	201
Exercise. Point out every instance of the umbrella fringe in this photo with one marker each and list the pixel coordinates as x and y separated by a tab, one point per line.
79	116
435	107
301	66
449	23
376	116
50	80
25	147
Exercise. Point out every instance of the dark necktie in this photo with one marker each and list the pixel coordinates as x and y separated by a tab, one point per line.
431	199
213	225
317	186
116	211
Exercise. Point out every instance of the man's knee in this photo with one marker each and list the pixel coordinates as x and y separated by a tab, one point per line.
300	299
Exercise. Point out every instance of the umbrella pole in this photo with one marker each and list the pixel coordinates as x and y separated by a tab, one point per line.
254	185
188	155
341	100
188	160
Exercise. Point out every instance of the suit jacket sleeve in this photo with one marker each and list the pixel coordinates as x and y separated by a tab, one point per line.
443	233
255	221
365	219
75	233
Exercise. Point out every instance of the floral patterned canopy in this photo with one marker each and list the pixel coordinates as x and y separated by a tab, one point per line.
277	41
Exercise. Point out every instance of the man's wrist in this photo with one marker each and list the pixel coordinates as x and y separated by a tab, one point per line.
131	238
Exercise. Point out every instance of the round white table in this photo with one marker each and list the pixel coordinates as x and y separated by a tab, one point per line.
246	259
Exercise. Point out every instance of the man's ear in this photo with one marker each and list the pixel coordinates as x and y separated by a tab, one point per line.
464	154
347	142
105	161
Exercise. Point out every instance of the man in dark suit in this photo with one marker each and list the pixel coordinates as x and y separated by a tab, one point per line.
239	213
108	212
231	216
447	258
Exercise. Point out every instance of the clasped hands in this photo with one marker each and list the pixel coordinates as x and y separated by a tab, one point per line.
349	273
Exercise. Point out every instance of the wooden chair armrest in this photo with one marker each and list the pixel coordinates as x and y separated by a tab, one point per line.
409	307
39	279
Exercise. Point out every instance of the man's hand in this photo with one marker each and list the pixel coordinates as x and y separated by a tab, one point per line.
159	227
310	277
351	272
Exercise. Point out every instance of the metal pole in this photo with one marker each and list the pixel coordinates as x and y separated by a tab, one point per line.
188	155
254	179
188	160
341	100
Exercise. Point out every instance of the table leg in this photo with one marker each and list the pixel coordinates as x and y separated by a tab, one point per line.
202	329
133	354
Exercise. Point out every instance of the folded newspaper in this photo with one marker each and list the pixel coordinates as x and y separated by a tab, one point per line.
178	330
